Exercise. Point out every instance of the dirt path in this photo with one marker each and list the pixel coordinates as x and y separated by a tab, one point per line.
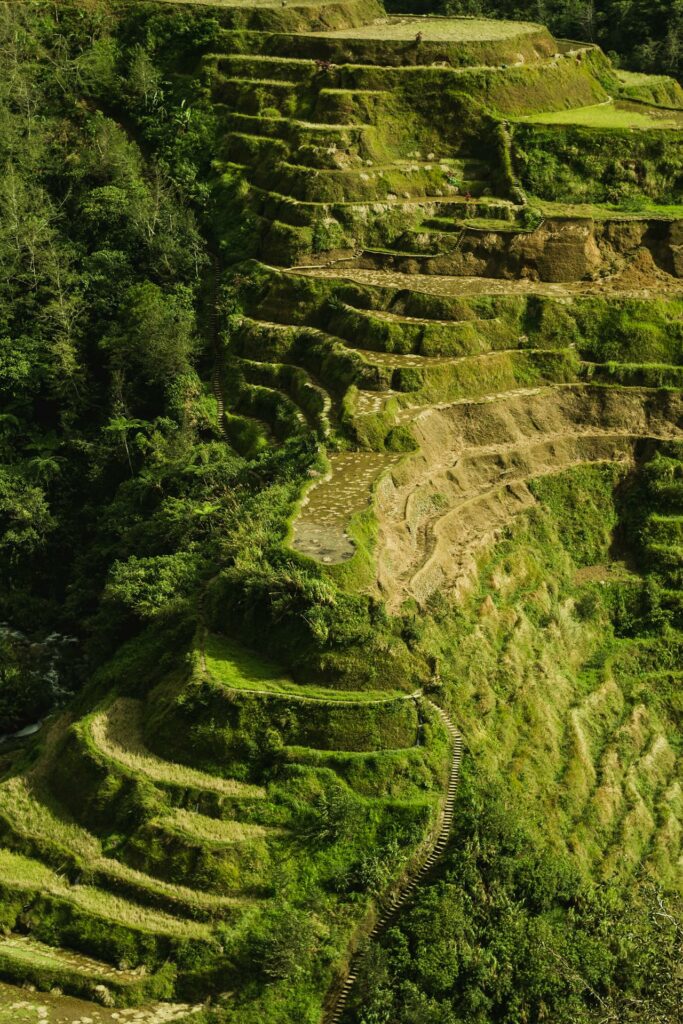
623	285
396	902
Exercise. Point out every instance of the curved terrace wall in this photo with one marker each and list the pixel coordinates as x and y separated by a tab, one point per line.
273	15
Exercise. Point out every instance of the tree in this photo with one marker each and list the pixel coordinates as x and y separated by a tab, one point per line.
148	585
155	337
25	518
144	79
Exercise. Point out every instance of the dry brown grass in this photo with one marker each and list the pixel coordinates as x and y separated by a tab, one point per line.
211	830
34	820
117	733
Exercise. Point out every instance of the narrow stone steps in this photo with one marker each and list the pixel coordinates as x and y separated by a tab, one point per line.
216	385
338	1002
220	401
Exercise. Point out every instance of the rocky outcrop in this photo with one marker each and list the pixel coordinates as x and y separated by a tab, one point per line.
559	250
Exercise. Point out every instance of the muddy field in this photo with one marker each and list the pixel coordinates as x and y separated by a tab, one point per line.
21	1006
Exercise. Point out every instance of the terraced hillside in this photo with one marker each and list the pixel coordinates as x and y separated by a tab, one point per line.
442	328
162	865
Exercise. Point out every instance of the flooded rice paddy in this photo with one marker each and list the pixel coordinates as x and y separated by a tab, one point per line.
321	528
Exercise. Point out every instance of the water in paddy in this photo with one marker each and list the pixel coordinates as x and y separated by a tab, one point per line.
320	529
397	359
21	1006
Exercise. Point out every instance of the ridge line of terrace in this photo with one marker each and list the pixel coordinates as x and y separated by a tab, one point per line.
435	66
415	695
444	284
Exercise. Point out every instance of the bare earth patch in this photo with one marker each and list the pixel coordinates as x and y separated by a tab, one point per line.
20	1006
443	506
609	572
320	529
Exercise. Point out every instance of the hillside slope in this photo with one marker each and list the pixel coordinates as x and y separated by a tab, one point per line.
361	336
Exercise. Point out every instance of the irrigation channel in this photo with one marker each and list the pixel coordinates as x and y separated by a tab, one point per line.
338	1000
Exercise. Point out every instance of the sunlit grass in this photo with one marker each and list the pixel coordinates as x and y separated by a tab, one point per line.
609	115
457	30
31	818
606	211
18	873
117	733
233	665
210	830
36	822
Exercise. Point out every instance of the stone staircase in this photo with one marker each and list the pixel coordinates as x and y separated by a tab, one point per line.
417	878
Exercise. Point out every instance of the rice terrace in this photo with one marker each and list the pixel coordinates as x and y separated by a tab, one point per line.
341	512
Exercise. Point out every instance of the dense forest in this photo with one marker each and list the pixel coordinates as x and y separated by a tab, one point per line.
98	251
642	35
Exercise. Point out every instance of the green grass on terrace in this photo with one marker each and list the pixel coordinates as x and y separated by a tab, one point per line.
213	831
231	664
437	30
639	77
34	953
249	4
665	90
19	873
607	211
610	115
36	822
117	733
31	818
486	224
